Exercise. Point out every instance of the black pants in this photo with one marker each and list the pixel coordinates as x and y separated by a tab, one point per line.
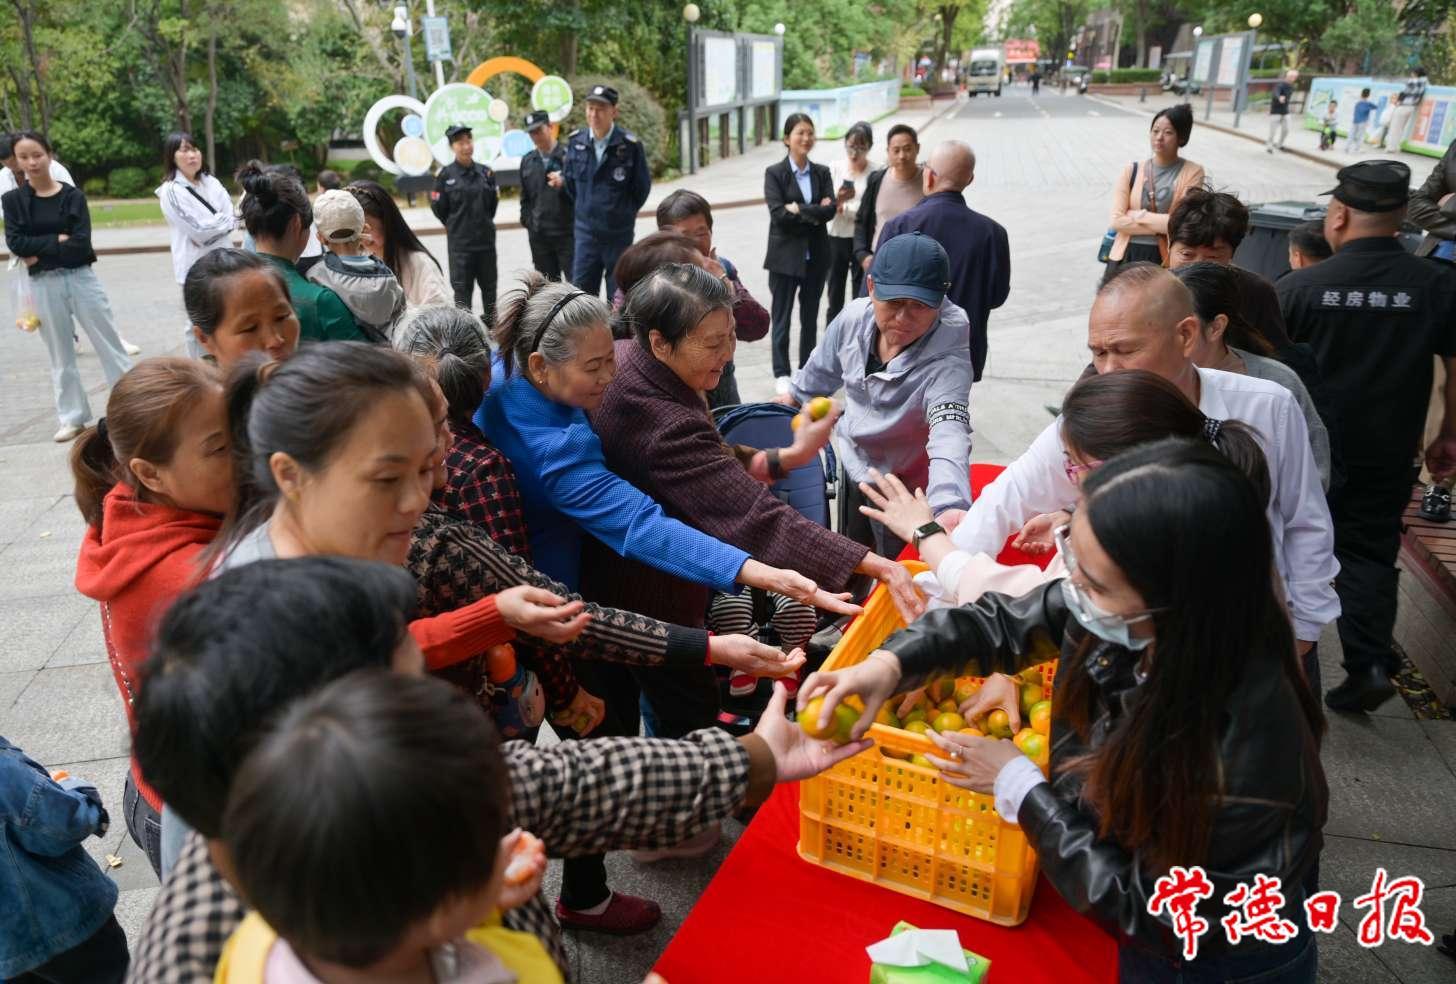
859	527
841	263
102	959
684	699
466	270
781	310
1366	511
144	824
551	254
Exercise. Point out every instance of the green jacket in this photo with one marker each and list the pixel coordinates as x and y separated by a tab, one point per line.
322	316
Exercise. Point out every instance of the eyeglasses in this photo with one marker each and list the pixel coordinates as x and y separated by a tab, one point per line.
1076	472
1061	536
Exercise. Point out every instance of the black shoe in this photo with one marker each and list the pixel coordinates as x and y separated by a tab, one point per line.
1363	690
1436	503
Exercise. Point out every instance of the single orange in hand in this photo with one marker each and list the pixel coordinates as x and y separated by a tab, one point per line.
1040	717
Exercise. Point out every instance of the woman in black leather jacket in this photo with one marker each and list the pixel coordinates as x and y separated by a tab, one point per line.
1183	731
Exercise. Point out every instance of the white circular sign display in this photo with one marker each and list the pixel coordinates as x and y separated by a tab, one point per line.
499	111
413	125
371	127
552	94
516	143
413	155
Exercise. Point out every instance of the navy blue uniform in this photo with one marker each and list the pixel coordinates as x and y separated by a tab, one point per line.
607	197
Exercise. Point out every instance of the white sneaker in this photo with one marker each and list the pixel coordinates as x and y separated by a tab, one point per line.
67	433
129	348
781	386
694	847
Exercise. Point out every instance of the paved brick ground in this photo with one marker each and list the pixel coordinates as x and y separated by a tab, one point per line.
1045	171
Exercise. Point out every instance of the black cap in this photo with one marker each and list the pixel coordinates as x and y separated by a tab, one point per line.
602	93
1373	186
536	118
455	130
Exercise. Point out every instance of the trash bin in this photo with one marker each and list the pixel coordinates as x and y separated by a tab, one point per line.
1265	250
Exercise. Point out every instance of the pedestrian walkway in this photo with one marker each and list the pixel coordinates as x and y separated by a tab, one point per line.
725	182
1254	125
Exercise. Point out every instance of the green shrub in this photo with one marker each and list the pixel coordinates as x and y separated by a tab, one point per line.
94	187
1101	76
1126	75
129	182
638	112
365	170
911	91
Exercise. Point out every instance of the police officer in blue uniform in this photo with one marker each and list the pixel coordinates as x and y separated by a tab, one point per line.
607	180
1374	315
545	210
465	198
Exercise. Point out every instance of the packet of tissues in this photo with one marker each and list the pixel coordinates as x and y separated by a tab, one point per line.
924	956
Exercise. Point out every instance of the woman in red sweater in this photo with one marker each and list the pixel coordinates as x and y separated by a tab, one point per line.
153	479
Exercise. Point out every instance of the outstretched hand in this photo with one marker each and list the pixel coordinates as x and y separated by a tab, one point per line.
796	755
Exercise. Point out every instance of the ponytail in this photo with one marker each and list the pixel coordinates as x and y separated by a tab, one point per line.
143	416
544	316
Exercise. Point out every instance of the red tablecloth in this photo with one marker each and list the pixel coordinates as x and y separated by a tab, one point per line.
769	916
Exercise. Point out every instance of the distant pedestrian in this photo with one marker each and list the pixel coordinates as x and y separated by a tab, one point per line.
1360	122
1328	126
980	257
329	180
393	241
546	209
1146	192
278	215
59	927
608	180
1405	107
800	198
1035	81
464	200
1279	101
198	210
362	281
48	227
897	187
689	213
850	177
1375	316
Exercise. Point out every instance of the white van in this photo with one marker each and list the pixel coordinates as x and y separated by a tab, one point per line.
987	70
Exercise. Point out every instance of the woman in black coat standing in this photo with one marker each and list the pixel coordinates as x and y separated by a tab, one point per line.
801	202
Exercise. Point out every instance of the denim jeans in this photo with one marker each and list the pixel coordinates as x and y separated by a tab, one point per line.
1295	962
174	835
61	295
144	824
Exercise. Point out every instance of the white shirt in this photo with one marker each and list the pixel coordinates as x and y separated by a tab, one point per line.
195	230
1299	519
842	225
58	173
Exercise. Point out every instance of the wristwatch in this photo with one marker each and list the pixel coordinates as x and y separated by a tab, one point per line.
929	529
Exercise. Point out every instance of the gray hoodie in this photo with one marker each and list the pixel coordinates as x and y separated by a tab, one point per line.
912	417
367	287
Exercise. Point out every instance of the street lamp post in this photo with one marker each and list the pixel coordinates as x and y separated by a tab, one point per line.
1241	101
401	28
690	14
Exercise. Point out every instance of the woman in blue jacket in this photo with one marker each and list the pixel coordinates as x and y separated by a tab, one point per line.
58	924
558	359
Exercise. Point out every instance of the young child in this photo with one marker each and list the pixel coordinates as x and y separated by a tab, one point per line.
1360	122
58	924
366	286
368	833
1328	135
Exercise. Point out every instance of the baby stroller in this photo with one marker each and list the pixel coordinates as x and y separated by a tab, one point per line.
808	489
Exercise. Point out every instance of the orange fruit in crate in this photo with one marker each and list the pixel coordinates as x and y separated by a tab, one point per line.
941	688
973	732
1040	717
948	706
1034	747
921	760
1020	738
886	716
998	725
949	721
966	689
1031	693
916	714
917	727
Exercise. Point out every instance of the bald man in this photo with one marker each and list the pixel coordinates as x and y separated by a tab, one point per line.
980	258
1143	319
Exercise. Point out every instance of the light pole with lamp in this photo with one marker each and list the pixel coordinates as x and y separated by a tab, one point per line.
402	30
690	14
1241	101
778	29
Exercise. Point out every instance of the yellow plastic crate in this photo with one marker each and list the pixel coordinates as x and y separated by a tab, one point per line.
886	821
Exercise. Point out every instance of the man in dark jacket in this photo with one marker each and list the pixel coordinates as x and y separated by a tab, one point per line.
980	257
1432	206
607	180
546	211
465	198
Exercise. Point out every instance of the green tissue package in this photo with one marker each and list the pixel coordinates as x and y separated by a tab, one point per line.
893	956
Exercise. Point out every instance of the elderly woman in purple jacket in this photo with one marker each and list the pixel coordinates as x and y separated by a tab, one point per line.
657	433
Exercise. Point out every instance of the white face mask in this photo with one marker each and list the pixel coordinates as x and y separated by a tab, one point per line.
1116	629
